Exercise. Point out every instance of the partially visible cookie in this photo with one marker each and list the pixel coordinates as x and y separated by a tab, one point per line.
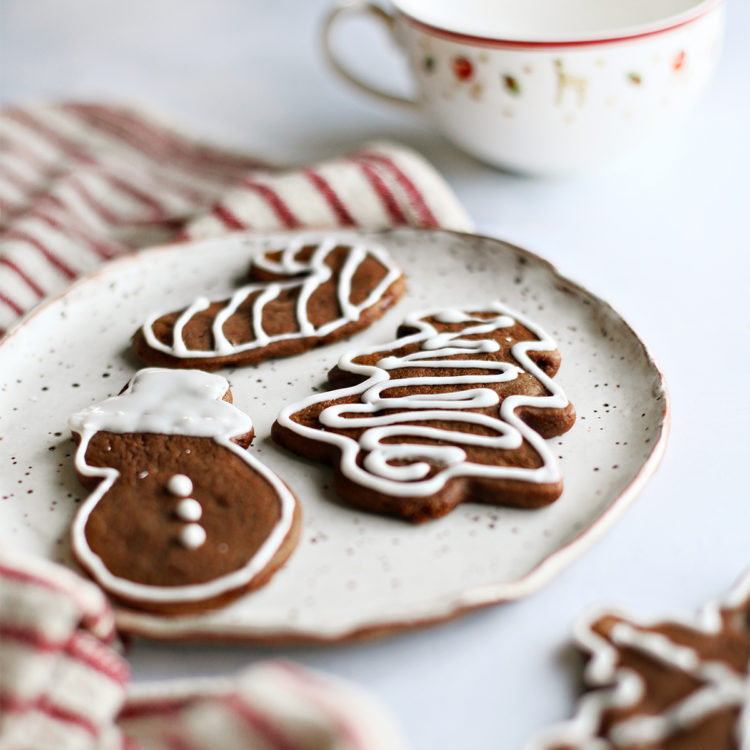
182	517
670	685
457	409
298	297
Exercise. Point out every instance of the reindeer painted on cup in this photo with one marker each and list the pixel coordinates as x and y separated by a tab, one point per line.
569	82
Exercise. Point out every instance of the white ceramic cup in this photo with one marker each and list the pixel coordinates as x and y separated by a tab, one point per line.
548	86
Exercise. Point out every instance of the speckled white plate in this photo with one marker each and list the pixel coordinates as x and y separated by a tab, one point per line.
353	574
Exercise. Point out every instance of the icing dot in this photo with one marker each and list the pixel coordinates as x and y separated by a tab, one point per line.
189	509
193	535
180	485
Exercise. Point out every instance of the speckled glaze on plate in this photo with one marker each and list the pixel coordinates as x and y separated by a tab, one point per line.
353	574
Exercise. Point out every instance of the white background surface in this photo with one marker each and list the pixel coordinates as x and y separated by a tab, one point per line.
662	236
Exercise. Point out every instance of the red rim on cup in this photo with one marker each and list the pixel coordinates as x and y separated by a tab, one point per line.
645	29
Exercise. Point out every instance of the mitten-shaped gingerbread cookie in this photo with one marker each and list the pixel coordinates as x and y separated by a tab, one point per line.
301	296
455	410
668	685
182	516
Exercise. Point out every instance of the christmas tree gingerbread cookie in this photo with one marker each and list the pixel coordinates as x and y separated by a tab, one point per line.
456	409
676	684
298	297
181	517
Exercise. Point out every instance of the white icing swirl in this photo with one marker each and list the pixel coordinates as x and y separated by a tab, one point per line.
446	350
317	273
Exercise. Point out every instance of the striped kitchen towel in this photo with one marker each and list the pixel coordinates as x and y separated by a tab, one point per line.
82	183
64	686
61	681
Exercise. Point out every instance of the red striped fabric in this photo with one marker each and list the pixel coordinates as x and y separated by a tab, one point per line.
48	254
83	183
259	723
380	188
338	208
25	277
11	705
425	217
11	305
275	201
56	635
66	225
310	686
90	654
64	686
157	706
271	706
93	607
95	182
147	134
87	650
230	221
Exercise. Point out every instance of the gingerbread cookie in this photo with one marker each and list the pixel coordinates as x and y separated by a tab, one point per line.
299	297
454	410
671	685
181	516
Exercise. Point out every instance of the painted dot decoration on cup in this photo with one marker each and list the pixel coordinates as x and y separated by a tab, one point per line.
463	68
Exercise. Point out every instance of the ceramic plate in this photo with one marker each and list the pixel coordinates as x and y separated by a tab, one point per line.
353	573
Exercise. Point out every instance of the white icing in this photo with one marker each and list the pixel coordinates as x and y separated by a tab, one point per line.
188	509
353	261
317	273
180	485
192	536
436	350
657	646
180	350
156	401
167	402
699	705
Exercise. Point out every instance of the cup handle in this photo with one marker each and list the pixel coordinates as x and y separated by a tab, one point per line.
356	7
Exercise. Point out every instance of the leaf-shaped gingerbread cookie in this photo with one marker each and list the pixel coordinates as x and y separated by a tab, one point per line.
454	410
300	296
182	517
676	684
